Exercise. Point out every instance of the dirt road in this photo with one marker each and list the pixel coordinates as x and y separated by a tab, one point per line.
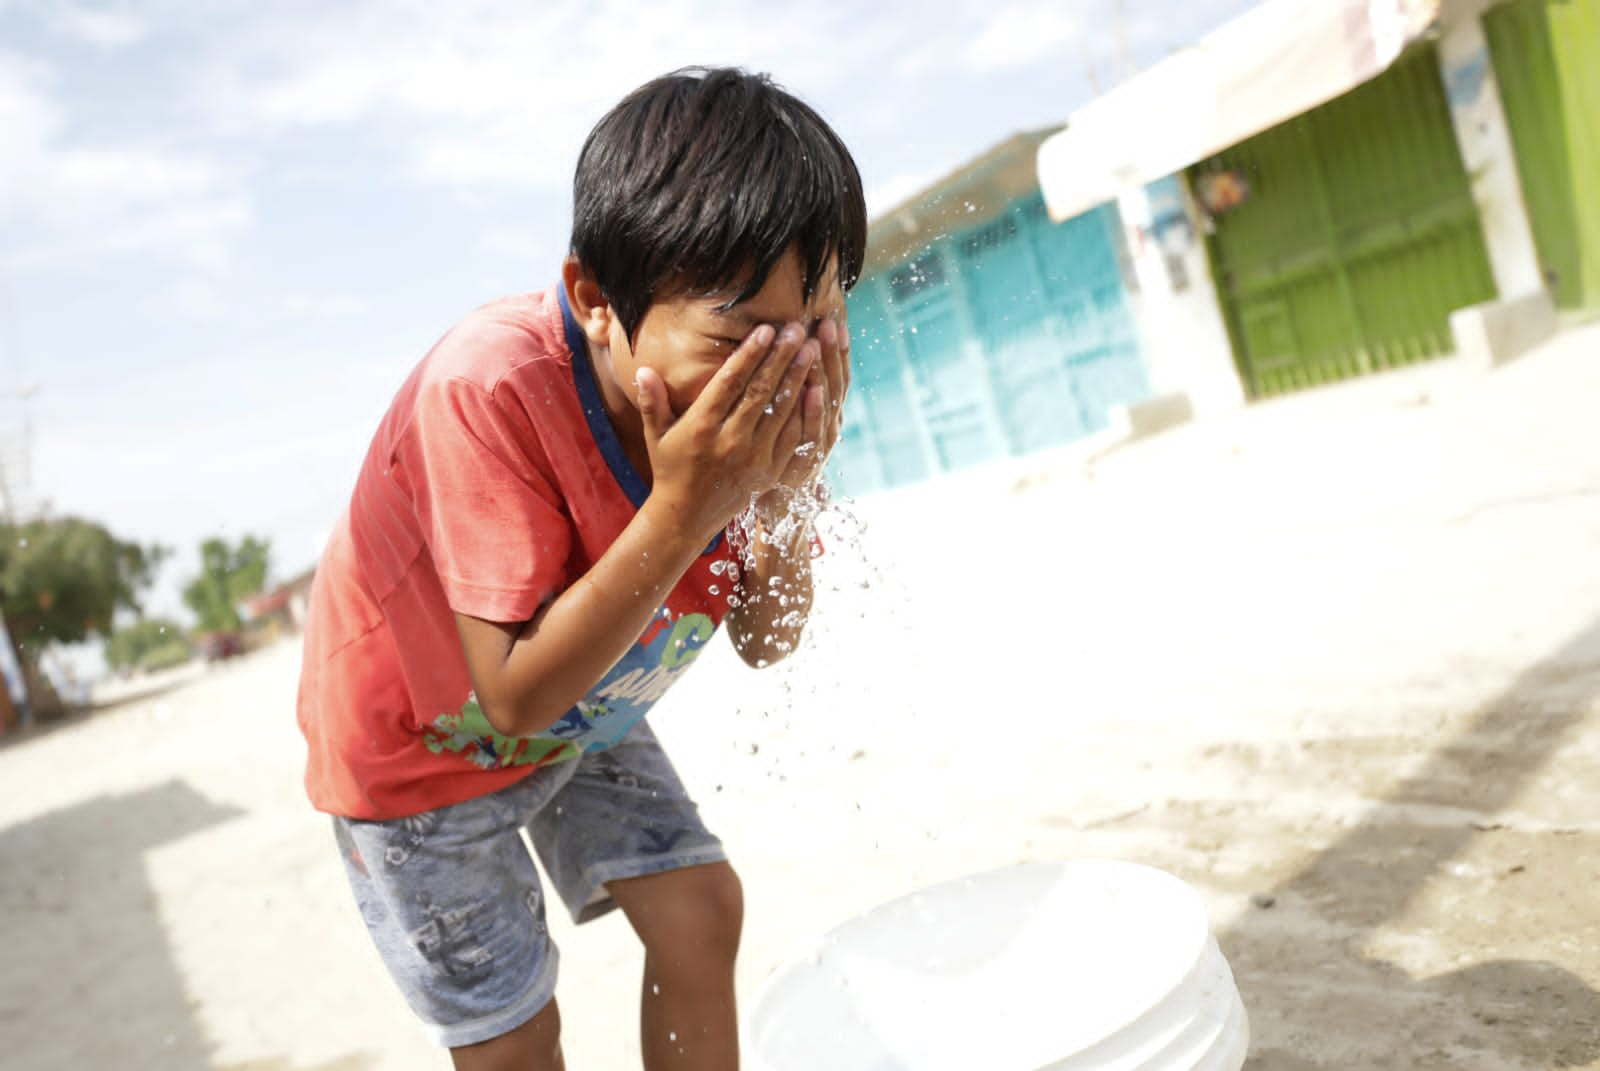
1335	661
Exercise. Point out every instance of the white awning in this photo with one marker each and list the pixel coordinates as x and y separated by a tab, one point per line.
1272	63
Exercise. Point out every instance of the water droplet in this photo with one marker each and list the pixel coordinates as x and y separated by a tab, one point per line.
655	988
672	1035
713	589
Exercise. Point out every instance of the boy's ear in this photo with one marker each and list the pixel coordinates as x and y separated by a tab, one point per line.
589	306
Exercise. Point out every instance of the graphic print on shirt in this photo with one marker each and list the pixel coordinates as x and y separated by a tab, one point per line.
602	718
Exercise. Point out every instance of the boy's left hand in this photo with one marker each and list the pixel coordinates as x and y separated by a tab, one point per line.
821	411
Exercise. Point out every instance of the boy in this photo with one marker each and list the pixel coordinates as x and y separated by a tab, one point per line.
541	540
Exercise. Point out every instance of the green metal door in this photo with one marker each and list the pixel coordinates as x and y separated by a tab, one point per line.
1546	57
1358	239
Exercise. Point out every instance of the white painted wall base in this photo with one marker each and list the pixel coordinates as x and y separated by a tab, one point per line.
1495	332
1151	416
1186	344
1484	138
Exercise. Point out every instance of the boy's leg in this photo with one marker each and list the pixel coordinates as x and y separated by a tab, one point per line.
456	911
533	1046
623	832
689	921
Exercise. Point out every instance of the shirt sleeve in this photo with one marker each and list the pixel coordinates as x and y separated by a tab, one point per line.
492	519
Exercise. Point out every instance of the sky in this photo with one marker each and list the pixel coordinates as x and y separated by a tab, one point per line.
228	230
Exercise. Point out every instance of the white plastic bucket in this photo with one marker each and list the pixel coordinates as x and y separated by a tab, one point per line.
1087	965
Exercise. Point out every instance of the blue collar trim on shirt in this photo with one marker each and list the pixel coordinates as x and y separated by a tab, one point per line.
594	411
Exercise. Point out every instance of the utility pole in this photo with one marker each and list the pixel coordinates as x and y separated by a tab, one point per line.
16	436
14	469
1081	36
1120	22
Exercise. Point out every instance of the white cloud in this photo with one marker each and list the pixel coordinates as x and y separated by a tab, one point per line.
528	148
494	91
99	27
283	470
69	198
137	174
1020	35
883	196
194	232
29	115
325	306
339	91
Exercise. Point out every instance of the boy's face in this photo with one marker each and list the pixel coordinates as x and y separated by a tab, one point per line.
685	339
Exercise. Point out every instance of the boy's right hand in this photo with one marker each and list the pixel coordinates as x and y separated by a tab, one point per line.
736	439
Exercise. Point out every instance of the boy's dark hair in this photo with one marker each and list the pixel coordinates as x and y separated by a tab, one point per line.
700	180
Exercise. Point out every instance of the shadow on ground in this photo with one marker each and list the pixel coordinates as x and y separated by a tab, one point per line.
87	979
1307	968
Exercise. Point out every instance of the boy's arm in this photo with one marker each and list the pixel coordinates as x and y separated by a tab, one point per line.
775	591
775	587
735	440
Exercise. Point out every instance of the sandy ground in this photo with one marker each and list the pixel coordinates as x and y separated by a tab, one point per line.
1338	654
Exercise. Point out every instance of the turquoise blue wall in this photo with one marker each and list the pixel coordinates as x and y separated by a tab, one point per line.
990	342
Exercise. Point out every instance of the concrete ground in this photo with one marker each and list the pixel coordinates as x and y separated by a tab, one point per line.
1334	660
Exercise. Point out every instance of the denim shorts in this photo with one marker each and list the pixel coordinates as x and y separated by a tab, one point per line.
456	908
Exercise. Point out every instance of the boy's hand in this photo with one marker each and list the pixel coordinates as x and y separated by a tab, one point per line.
739	436
821	416
826	387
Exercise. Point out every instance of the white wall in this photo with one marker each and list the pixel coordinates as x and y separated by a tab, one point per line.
1486	149
1180	319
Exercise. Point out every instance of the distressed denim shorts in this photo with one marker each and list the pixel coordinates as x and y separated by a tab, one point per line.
456	908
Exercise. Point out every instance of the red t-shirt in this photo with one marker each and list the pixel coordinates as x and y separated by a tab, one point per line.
495	481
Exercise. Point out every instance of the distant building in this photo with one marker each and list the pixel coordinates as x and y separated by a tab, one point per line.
281	608
1377	182
980	330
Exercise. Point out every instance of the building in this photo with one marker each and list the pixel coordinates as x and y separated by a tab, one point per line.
980	330
1545	59
1367	183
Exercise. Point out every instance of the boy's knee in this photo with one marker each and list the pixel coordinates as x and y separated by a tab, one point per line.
721	898
533	1046
691	915
707	910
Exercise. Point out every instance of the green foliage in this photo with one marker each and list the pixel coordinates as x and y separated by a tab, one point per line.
132	646
228	575
63	579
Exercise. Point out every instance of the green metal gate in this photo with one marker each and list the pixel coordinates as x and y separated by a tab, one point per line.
1547	61
1358	239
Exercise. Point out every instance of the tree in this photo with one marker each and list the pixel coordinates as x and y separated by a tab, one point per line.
62	579
228	575
129	646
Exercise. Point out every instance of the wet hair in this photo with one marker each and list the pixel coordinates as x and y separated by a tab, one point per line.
699	181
